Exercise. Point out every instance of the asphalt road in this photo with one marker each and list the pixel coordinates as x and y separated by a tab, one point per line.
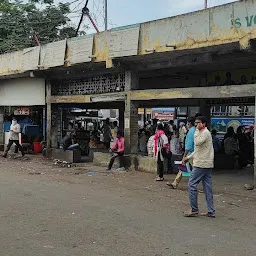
113	215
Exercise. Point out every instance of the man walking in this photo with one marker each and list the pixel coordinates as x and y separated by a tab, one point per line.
107	135
14	137
203	159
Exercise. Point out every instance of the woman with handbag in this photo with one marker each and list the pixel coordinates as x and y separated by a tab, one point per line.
161	149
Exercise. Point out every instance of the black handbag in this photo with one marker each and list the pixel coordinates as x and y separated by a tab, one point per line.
161	145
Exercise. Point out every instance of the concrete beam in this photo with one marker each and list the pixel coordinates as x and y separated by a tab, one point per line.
92	98
212	92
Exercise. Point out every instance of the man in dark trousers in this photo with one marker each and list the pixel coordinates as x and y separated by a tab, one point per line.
117	150
14	137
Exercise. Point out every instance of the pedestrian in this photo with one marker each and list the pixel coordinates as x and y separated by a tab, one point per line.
143	139
107	135
14	137
216	142
189	149
161	150
203	161
182	134
175	142
153	126
171	124
117	150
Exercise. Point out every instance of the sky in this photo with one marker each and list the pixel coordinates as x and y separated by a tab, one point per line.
126	12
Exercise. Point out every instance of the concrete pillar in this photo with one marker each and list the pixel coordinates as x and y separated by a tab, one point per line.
131	80
121	118
131	127
2	126
51	120
205	110
131	114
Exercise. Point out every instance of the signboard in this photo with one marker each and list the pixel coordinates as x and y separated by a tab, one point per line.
118	42
141	111
30	58
222	124
208	27
231	101
80	49
53	54
163	115
10	63
22	111
123	41
127	123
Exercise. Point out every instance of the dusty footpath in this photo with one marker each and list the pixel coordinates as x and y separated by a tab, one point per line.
47	209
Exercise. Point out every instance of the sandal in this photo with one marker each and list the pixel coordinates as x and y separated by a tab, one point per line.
159	179
207	214
171	185
190	213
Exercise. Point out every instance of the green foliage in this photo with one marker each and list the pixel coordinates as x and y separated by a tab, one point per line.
20	21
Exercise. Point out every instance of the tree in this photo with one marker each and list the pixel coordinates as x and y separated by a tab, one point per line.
21	21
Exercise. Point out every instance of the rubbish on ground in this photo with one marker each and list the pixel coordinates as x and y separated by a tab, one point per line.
248	187
234	204
120	169
48	246
64	164
34	173
73	213
91	173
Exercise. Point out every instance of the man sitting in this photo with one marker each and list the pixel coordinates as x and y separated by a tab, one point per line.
117	149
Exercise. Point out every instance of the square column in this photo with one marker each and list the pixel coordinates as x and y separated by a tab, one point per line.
205	110
2	126
131	127
131	114
51	121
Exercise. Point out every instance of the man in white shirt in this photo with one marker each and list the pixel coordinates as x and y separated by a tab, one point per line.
203	162
14	137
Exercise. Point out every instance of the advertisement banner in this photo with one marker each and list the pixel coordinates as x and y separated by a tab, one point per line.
222	124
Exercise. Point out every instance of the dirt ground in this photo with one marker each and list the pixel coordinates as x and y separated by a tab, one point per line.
47	209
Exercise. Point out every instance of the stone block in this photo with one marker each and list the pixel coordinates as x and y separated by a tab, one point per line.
134	162
102	159
68	155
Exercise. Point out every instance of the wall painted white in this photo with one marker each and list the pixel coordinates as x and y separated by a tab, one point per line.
22	92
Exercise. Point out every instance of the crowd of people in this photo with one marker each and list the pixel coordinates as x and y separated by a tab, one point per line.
161	140
198	156
240	144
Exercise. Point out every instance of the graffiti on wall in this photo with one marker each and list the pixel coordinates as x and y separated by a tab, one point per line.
247	21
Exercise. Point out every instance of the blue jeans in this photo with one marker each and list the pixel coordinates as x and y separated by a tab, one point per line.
198	175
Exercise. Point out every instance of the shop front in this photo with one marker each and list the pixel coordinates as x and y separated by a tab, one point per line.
24	99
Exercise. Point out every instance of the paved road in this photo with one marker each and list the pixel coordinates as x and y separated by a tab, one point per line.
113	215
